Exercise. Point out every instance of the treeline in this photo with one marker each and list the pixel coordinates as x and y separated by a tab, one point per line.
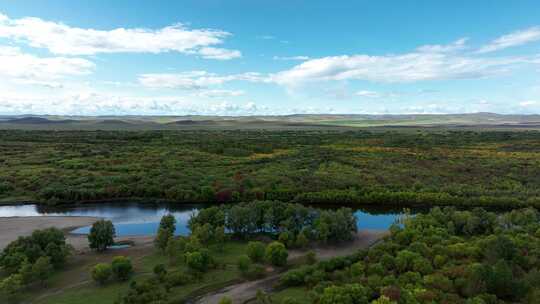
285	221
444	256
317	167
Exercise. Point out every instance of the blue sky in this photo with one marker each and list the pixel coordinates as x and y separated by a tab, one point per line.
268	57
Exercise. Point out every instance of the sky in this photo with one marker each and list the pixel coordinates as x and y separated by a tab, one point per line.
100	57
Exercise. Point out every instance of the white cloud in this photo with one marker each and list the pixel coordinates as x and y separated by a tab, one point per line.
409	67
60	38
266	37
529	103
287	58
219	53
369	94
22	68
194	79
457	45
96	103
219	93
513	39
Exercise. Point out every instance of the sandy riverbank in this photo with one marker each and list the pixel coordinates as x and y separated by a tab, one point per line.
13	227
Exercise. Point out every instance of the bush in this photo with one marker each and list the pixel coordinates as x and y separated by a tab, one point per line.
11	286
352	293
276	254
256	272
255	251
122	268
101	273
225	300
160	271
198	261
244	264
101	235
311	257
175	279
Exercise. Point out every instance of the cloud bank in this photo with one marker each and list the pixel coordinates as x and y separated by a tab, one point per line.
62	39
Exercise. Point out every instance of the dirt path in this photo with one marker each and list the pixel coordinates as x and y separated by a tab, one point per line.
243	292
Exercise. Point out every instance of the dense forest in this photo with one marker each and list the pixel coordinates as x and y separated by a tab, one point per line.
444	256
401	167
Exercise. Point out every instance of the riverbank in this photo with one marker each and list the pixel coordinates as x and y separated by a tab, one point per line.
14	227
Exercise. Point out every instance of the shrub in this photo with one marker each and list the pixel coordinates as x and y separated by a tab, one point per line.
11	286
101	273
198	261
160	271
255	251
276	254
122	268
225	300
311	257
174	279
244	264
256	272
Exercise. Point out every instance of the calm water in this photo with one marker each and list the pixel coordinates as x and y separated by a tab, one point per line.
143	219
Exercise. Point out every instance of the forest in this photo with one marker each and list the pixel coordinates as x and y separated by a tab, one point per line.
402	167
444	256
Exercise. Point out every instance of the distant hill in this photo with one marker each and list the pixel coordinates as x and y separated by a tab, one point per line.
296	121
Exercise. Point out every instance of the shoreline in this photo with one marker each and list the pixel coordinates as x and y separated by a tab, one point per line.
16	226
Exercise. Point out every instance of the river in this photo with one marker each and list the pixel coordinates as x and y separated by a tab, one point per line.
143	219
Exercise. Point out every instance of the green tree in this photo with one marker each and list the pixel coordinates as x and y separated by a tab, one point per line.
204	233
256	251
27	273
101	273
167	227
168	222
220	237
162	238
198	261
276	254
175	249
347	294
122	268
42	269
302	240
101	235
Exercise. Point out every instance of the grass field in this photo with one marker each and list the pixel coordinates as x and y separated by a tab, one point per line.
73	285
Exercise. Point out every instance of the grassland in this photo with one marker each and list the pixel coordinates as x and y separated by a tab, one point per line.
74	286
